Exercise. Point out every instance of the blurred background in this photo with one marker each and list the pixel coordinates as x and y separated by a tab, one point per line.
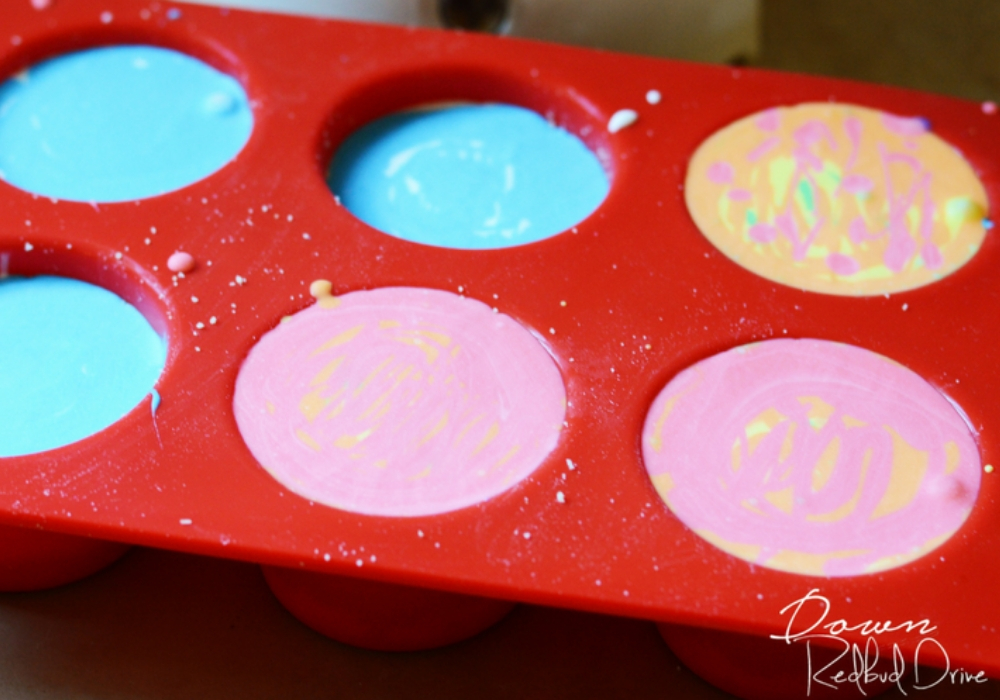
949	48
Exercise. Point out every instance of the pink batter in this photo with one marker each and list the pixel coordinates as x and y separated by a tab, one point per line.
812	457
399	402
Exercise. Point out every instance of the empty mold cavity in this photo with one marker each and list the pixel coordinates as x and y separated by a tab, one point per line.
119	123
467	176
76	358
812	457
399	402
837	199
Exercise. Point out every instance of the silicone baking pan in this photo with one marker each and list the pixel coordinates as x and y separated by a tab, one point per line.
646	295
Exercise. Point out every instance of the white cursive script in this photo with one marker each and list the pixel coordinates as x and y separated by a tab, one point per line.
865	668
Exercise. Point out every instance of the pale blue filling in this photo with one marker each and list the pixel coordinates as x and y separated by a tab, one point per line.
74	358
119	123
469	177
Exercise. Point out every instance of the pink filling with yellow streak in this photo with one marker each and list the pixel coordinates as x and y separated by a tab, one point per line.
399	402
812	457
837	199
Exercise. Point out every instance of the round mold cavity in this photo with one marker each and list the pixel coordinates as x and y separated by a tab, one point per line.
466	159
119	123
399	402
32	560
761	668
812	457
76	357
838	199
382	616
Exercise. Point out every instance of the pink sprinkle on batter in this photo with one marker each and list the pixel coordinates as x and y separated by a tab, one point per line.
180	262
762	233
857	184
721	173
842	264
904	126
769	120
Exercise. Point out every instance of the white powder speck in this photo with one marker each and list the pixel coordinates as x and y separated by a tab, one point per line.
527	535
905	307
653	97
569	463
420	533
598	582
106	17
194	300
306	236
560	497
373	558
360	563
552	331
118	256
185	521
326	557
28	247
199	325
213	320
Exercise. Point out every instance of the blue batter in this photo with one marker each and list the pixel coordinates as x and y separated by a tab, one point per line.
119	123
470	177
74	358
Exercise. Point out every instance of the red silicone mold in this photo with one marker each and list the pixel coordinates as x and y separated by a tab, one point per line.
646	296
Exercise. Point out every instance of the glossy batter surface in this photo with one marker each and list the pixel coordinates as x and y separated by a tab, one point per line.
399	401
812	457
837	199
119	123
467	176
74	358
